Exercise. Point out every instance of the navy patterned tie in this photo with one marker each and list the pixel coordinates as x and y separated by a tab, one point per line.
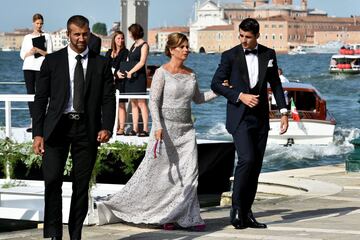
79	81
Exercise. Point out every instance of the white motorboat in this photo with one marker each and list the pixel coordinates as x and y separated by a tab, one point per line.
316	125
297	50
347	61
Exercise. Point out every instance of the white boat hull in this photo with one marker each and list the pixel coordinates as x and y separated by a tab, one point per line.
309	132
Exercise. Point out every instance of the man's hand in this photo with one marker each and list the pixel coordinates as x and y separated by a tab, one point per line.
120	75
249	100
284	124
38	145
103	136
227	84
159	134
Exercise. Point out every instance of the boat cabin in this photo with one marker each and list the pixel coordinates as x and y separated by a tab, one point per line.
349	63
308	101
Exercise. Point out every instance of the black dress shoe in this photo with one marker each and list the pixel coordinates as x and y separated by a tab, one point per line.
252	223
56	238
236	219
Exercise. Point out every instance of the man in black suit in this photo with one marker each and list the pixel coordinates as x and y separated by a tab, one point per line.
94	43
248	66
74	110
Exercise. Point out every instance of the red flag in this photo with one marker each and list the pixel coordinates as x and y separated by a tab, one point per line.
294	113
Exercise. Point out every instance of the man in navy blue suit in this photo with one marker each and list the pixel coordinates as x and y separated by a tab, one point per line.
249	66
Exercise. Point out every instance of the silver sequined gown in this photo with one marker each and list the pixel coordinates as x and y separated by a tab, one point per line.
164	189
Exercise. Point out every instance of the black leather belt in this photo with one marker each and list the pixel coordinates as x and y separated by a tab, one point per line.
74	116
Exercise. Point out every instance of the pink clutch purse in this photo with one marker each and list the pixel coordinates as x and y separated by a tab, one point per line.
156	150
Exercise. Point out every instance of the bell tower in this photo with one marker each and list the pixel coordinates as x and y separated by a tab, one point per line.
134	11
304	5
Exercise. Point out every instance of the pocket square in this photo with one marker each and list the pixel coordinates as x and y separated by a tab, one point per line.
270	64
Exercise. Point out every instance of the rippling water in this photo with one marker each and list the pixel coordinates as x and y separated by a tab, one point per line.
342	93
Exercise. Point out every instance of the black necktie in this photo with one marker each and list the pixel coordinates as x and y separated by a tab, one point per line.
78	100
254	51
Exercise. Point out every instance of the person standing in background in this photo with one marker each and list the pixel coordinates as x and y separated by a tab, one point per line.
136	79
283	79
118	53
34	56
94	43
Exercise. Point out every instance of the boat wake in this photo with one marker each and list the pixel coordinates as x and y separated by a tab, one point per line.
217	132
299	156
278	157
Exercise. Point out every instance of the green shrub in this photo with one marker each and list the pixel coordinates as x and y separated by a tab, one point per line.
12	153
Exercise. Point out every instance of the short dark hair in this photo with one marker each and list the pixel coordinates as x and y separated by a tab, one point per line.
37	16
78	20
136	31
250	25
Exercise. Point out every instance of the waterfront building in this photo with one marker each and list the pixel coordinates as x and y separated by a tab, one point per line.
217	38
59	39
264	9
157	37
207	14
116	26
11	41
105	42
349	36
283	25
134	11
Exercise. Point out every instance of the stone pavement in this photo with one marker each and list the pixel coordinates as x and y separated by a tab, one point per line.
304	204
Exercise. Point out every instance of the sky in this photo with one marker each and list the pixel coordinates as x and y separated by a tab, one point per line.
18	13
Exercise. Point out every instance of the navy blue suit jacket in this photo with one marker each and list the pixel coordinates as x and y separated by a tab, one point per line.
233	67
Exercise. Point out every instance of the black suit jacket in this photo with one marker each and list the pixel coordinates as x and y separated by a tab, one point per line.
94	43
53	92
233	67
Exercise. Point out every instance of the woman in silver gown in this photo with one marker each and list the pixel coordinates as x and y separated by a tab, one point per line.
163	190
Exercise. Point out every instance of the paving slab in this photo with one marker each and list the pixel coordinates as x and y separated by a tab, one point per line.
328	209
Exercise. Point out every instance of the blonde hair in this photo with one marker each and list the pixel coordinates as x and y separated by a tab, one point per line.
174	40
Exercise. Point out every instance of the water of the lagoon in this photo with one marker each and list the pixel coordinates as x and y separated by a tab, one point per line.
341	92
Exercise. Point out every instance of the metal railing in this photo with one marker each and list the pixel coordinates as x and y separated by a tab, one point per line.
9	98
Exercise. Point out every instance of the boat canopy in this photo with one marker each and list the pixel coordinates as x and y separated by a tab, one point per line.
346	56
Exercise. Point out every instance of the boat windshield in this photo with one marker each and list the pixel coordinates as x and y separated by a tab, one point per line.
351	61
304	101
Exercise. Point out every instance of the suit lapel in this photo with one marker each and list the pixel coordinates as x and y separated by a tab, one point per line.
263	62
66	77
89	69
243	67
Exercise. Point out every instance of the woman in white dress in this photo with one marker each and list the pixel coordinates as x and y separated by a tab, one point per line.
33	56
163	190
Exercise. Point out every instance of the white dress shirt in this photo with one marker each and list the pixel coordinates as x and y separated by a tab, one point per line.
252	62
72	64
30	62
